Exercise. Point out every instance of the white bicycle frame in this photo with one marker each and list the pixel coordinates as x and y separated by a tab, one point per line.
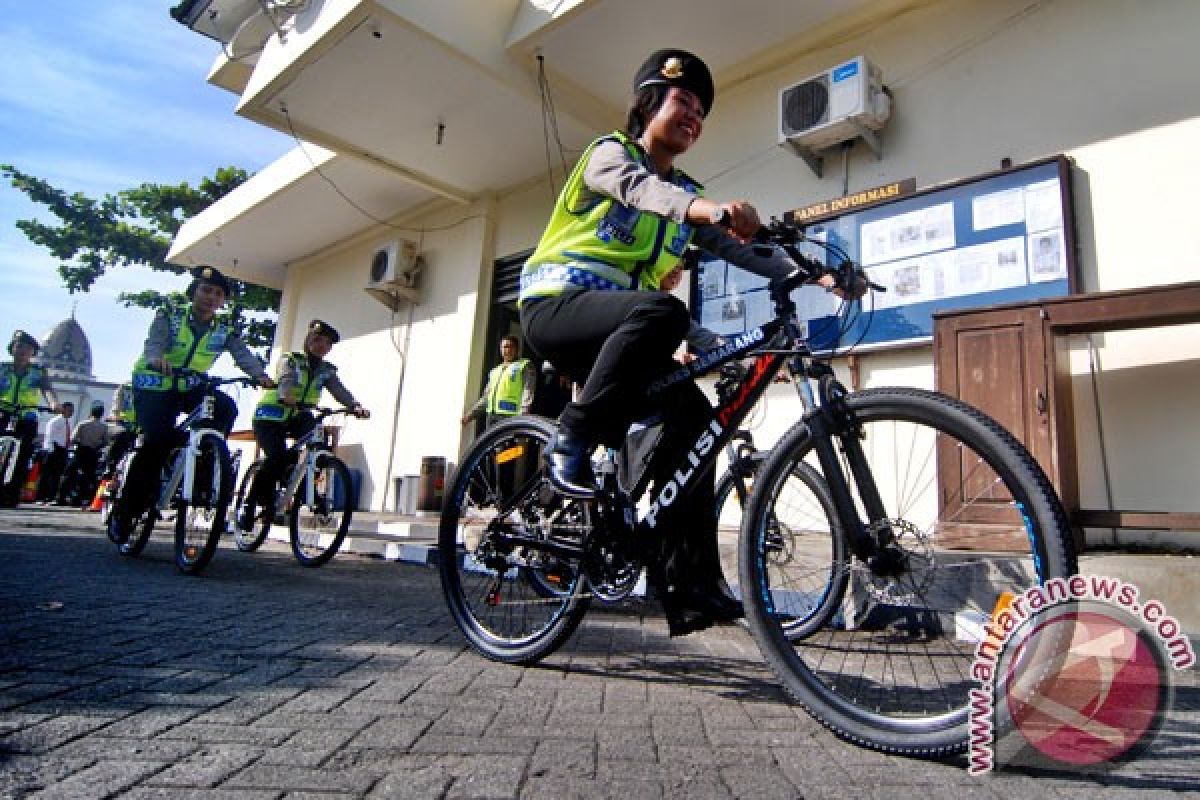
9	447
184	467
308	457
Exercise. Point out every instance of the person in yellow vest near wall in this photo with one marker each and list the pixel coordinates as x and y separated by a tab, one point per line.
510	386
182	337
23	387
281	413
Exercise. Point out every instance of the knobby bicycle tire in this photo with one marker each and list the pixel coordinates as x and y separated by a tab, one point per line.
200	522
318	530
135	542
892	670
500	485
251	540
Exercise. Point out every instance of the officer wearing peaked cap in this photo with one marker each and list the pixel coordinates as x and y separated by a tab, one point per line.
282	412
23	387
187	337
590	302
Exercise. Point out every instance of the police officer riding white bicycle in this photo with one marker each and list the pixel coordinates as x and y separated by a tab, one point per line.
282	412
181	338
25	389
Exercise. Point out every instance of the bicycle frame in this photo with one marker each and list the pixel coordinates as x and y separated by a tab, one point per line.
184	468
307	449
9	446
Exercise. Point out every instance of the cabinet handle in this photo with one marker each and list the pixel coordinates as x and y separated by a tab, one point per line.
1040	401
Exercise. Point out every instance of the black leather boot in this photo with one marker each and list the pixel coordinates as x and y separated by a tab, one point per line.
570	466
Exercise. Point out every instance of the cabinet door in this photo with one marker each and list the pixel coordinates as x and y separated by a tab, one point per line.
995	361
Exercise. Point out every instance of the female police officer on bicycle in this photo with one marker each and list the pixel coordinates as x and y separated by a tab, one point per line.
590	303
185	337
300	376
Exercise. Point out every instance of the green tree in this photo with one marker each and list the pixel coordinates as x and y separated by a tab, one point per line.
134	228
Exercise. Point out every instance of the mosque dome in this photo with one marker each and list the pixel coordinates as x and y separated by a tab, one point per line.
66	351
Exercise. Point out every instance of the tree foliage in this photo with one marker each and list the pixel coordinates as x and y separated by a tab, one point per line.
134	228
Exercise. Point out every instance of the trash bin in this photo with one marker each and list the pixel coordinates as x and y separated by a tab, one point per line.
431	484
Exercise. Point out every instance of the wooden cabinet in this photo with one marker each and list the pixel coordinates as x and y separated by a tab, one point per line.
1012	362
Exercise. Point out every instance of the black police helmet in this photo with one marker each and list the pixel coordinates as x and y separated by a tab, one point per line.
322	328
207	274
21	337
672	67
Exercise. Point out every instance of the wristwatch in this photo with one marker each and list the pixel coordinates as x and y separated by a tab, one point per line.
719	215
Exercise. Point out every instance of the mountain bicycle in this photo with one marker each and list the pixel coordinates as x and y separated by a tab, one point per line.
883	528
197	484
316	496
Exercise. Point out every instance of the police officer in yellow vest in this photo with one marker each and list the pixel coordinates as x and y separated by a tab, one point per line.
24	386
510	386
281	413
590	302
123	415
187	337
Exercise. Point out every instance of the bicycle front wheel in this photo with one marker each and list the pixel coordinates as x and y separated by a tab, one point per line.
200	521
319	519
251	540
514	602
968	521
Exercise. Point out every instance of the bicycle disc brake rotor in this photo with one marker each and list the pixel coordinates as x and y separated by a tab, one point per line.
909	565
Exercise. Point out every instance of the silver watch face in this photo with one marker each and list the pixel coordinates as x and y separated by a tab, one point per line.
717	214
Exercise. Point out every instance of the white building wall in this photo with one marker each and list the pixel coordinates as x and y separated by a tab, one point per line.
1107	82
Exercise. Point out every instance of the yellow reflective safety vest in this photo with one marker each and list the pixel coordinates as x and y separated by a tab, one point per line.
184	352
309	381
21	394
506	384
594	242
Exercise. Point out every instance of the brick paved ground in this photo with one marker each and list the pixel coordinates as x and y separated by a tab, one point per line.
121	678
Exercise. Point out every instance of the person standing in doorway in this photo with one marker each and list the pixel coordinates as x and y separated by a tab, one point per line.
510	386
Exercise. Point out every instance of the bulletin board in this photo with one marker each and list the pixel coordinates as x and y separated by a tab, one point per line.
1002	237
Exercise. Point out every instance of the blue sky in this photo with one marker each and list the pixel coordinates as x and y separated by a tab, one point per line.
96	97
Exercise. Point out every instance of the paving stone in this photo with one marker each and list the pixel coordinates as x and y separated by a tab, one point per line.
371	692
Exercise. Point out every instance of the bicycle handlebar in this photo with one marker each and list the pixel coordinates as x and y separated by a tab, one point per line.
847	276
322	412
197	378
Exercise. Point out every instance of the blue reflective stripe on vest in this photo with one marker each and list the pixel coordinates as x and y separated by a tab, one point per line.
558	274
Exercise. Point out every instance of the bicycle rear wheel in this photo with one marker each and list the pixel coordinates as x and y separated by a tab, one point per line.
497	589
251	540
200	522
319	527
892	671
131	542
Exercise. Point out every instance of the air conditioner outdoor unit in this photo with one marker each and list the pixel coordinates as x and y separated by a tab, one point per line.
841	103
392	273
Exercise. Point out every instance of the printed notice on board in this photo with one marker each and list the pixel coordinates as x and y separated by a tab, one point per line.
998	208
925	230
1043	206
1047	256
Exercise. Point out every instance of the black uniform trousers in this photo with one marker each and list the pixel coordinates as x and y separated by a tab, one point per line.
617	343
156	415
25	429
79	479
272	437
52	472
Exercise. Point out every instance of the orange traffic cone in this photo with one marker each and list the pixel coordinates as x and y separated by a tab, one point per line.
101	492
29	490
